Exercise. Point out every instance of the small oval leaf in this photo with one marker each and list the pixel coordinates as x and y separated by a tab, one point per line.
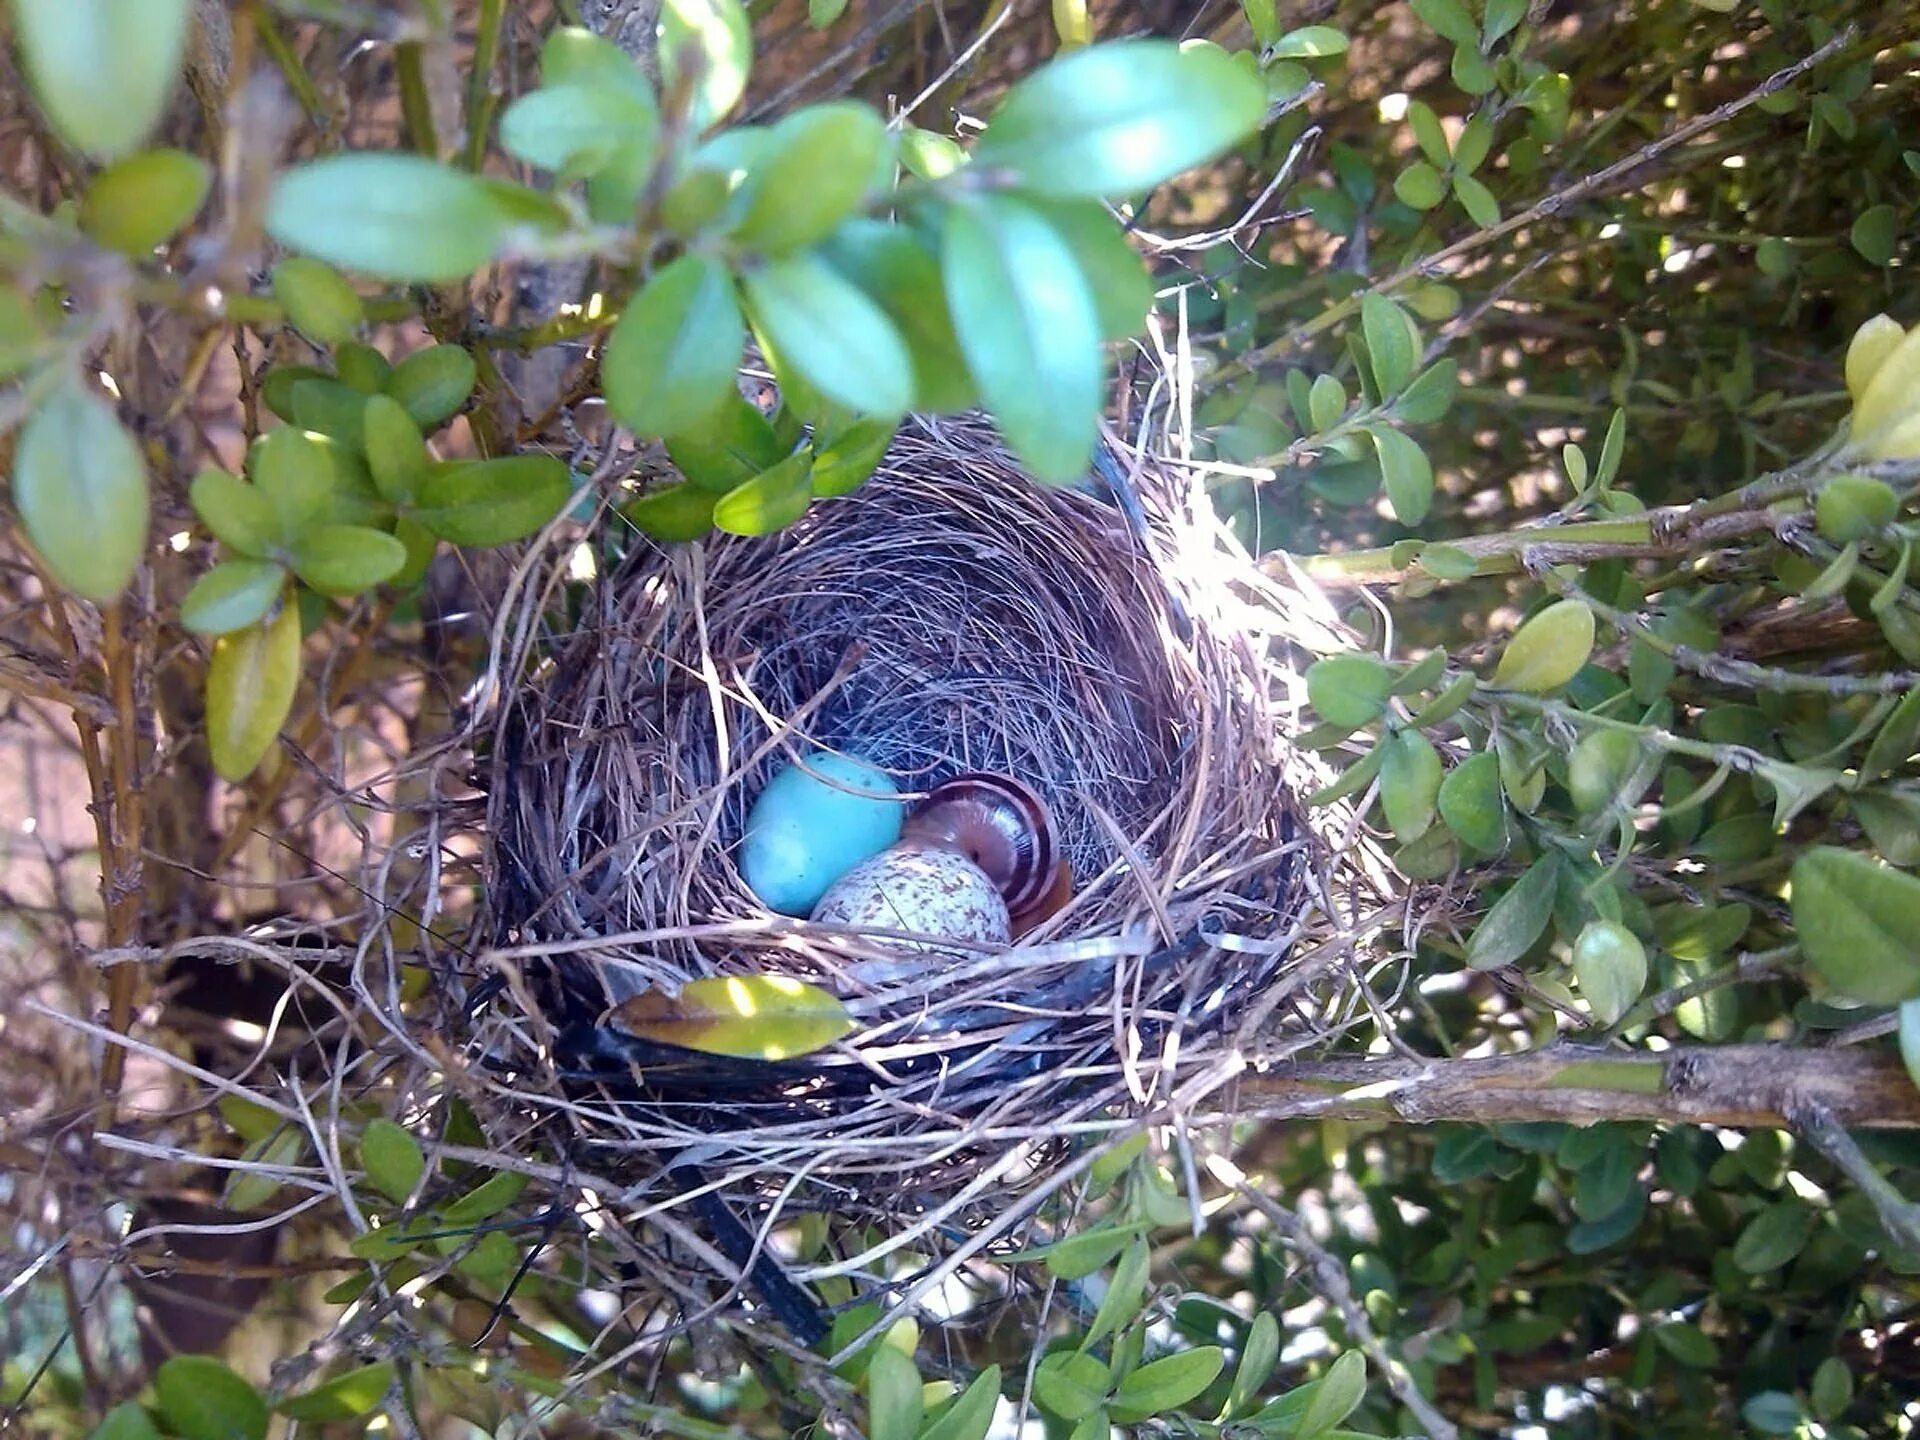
80	485
142	201
251	681
103	70
670	362
202	1399
432	384
1548	650
753	1017
232	595
392	1159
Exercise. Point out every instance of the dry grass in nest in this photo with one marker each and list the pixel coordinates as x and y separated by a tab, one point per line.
952	615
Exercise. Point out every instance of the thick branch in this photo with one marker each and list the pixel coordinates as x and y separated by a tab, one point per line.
1743	1085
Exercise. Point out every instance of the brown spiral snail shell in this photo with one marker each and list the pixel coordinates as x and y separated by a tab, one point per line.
1003	827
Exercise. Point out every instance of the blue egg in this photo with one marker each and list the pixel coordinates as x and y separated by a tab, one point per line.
810	826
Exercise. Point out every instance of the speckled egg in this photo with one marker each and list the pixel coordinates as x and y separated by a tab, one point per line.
813	824
925	891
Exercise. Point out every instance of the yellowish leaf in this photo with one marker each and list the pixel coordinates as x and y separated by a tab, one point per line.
754	1017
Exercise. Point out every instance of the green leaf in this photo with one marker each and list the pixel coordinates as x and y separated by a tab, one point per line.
1407	472
396	451
492	502
485	1200
1326	402
1116	276
753	1017
1337	1396
1502	16
326	407
929	156
1891	819
22	339
398	216
293	471
574	55
1687	1343
578	129
1854	507
1773	1412
738	444
1259	1353
1447	562
1430	395
1126	1293
1166	1384
361	367
1774	1236
1471	804
1071	1384
1897	740
1448	19
232	595
902	276
346	1396
1875	234
342	560
673	513
1832	1389
708	44
432	384
1029	328
1078	1256
1420	185
102	70
821	14
819	164
201	1399
392	1159
1475	142
671	360
769	501
278	384
971	1415
251	1187
1610	964
80	486
1517	919
251	681
1393	345
1409	784
895	1403
146	199
842	343
1856	920
1477	200
1349	690
1429	134
1548	650
851	457
240	517
1471	70
1599	768
1116	119
1612	448
126	1421
1310	42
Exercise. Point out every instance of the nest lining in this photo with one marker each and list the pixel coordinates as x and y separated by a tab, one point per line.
951	615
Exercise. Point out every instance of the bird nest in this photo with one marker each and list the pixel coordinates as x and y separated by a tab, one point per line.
1114	650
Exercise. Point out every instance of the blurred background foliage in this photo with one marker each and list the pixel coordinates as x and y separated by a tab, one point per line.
1634	266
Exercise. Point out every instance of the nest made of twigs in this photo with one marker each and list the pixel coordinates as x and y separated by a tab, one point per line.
1112	650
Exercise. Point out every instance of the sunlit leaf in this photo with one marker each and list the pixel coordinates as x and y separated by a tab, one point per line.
1116	119
432	384
251	681
770	501
902	276
398	216
233	595
144	200
819	163
492	502
1548	650
754	1017
392	1158
346	1396
1030	331
346	559
1166	1384
670	362
707	45
826	328
1610	964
